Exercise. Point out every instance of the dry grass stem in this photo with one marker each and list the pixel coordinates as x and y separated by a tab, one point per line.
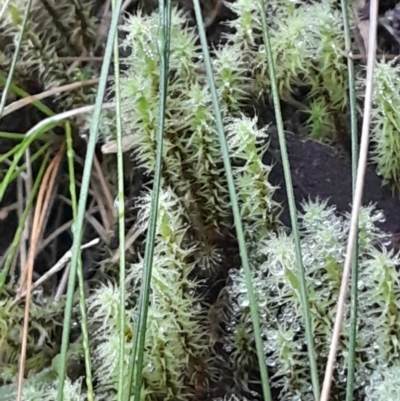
362	165
44	195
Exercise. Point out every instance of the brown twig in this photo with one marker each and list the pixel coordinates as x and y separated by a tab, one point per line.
40	211
19	104
377	57
53	270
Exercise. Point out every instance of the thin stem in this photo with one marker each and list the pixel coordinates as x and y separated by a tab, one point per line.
235	208
362	165
164	50
292	206
354	160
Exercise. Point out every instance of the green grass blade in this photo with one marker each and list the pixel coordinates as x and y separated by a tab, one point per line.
78	229
164	50
292	204
121	222
15	58
235	208
21	225
20	92
12	135
82	302
8	154
36	132
354	162
34	157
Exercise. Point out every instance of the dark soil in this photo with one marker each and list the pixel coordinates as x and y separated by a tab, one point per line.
318	171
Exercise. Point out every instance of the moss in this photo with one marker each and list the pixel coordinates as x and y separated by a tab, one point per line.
386	122
54	30
176	338
323	246
182	358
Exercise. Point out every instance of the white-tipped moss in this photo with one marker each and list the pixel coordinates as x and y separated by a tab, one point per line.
247	145
59	29
323	246
384	385
307	46
386	122
176	341
43	387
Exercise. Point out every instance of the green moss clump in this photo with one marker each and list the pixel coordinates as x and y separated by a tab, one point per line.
177	349
386	122
43	386
384	385
44	321
308	49
278	291
54	30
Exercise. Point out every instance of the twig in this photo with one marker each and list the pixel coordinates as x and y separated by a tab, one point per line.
19	104
56	268
7	209
97	227
62	285
51	237
65	276
362	165
40	210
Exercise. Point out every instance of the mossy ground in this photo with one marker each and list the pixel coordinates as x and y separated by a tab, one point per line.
201	251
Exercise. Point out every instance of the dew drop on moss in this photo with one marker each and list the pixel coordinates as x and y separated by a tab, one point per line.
245	303
277	269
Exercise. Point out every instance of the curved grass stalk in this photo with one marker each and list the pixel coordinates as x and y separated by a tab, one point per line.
164	36
292	204
78	229
36	132
235	207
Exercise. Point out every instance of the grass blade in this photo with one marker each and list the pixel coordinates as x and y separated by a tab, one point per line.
121	221
354	160
15	58
292	204
164	49
78	229
82	302
235	207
